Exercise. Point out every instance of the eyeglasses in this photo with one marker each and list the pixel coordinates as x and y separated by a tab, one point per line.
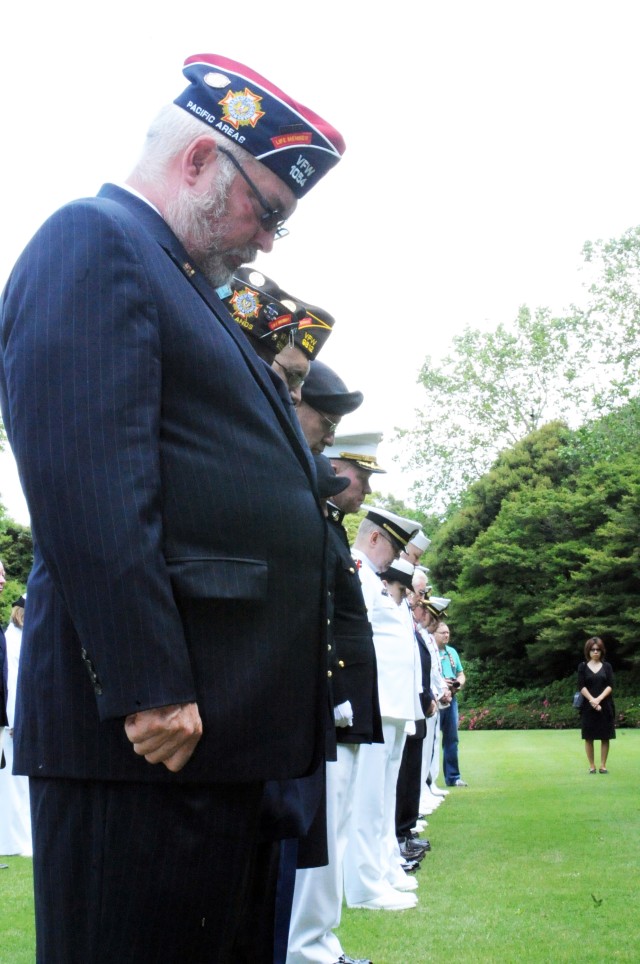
391	543
595	649
294	379
331	426
272	220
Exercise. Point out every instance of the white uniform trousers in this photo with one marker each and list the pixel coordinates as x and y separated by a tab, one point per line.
15	814
430	750
317	899
367	859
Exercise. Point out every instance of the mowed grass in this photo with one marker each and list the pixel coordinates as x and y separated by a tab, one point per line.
17	940
536	861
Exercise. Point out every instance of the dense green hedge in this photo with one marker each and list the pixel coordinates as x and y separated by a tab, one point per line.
485	704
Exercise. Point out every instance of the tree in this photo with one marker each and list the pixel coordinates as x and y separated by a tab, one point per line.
602	595
545	551
612	314
541	455
16	550
492	390
495	387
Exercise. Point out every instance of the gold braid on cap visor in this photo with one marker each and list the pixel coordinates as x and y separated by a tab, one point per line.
364	461
398	539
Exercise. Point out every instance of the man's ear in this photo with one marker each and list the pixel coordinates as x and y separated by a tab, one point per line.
199	159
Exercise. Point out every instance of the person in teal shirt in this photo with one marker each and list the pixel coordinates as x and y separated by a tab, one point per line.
454	674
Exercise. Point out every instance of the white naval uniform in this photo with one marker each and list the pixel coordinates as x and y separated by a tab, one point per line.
370	856
430	752
15	814
317	899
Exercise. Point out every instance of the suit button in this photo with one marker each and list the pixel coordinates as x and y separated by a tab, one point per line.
329	673
341	663
351	569
329	646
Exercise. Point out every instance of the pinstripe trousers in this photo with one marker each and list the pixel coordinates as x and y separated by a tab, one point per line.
144	873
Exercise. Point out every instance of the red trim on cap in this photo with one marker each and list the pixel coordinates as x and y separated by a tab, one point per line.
235	67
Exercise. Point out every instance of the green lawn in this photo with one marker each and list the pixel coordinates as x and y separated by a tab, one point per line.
517	857
536	861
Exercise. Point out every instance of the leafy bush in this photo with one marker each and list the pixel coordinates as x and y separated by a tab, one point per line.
505	713
486	703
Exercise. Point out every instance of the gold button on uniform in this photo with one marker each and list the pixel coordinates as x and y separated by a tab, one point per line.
341	663
329	673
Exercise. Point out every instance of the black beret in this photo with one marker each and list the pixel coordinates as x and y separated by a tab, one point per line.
328	482
325	390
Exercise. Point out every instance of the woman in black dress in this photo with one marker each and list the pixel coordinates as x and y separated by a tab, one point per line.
595	682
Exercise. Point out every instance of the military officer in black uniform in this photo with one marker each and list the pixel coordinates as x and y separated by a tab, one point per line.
318	892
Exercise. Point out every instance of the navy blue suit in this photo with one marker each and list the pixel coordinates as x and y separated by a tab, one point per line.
178	538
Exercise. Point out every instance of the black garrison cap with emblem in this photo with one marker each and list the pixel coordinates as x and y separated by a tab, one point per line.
360	448
326	392
247	109
308	328
399	530
255	304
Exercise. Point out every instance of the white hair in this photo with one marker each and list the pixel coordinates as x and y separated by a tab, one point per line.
171	133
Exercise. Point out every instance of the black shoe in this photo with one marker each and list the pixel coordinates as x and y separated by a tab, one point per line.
413	849
410	866
412	856
345	959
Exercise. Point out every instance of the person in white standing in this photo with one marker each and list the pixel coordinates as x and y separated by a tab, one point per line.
381	537
15	815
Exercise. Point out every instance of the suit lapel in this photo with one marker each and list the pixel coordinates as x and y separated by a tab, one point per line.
160	230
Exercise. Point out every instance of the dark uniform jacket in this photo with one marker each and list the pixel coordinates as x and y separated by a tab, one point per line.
175	518
353	658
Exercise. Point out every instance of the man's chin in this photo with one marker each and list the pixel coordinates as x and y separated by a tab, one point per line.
220	269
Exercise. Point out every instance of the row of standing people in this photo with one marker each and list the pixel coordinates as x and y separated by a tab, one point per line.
15	818
172	480
168	668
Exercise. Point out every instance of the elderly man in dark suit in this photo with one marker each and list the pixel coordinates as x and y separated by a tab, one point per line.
168	667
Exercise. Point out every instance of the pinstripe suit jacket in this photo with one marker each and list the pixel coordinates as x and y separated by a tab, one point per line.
179	540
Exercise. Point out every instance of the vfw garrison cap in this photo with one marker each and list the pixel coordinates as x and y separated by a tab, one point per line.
257	308
361	448
309	326
400	530
288	138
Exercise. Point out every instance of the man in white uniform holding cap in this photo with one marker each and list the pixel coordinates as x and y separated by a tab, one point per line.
381	538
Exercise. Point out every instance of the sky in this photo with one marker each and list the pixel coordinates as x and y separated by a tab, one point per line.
486	142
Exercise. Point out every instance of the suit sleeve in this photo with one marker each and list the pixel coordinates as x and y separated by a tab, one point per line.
83	371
